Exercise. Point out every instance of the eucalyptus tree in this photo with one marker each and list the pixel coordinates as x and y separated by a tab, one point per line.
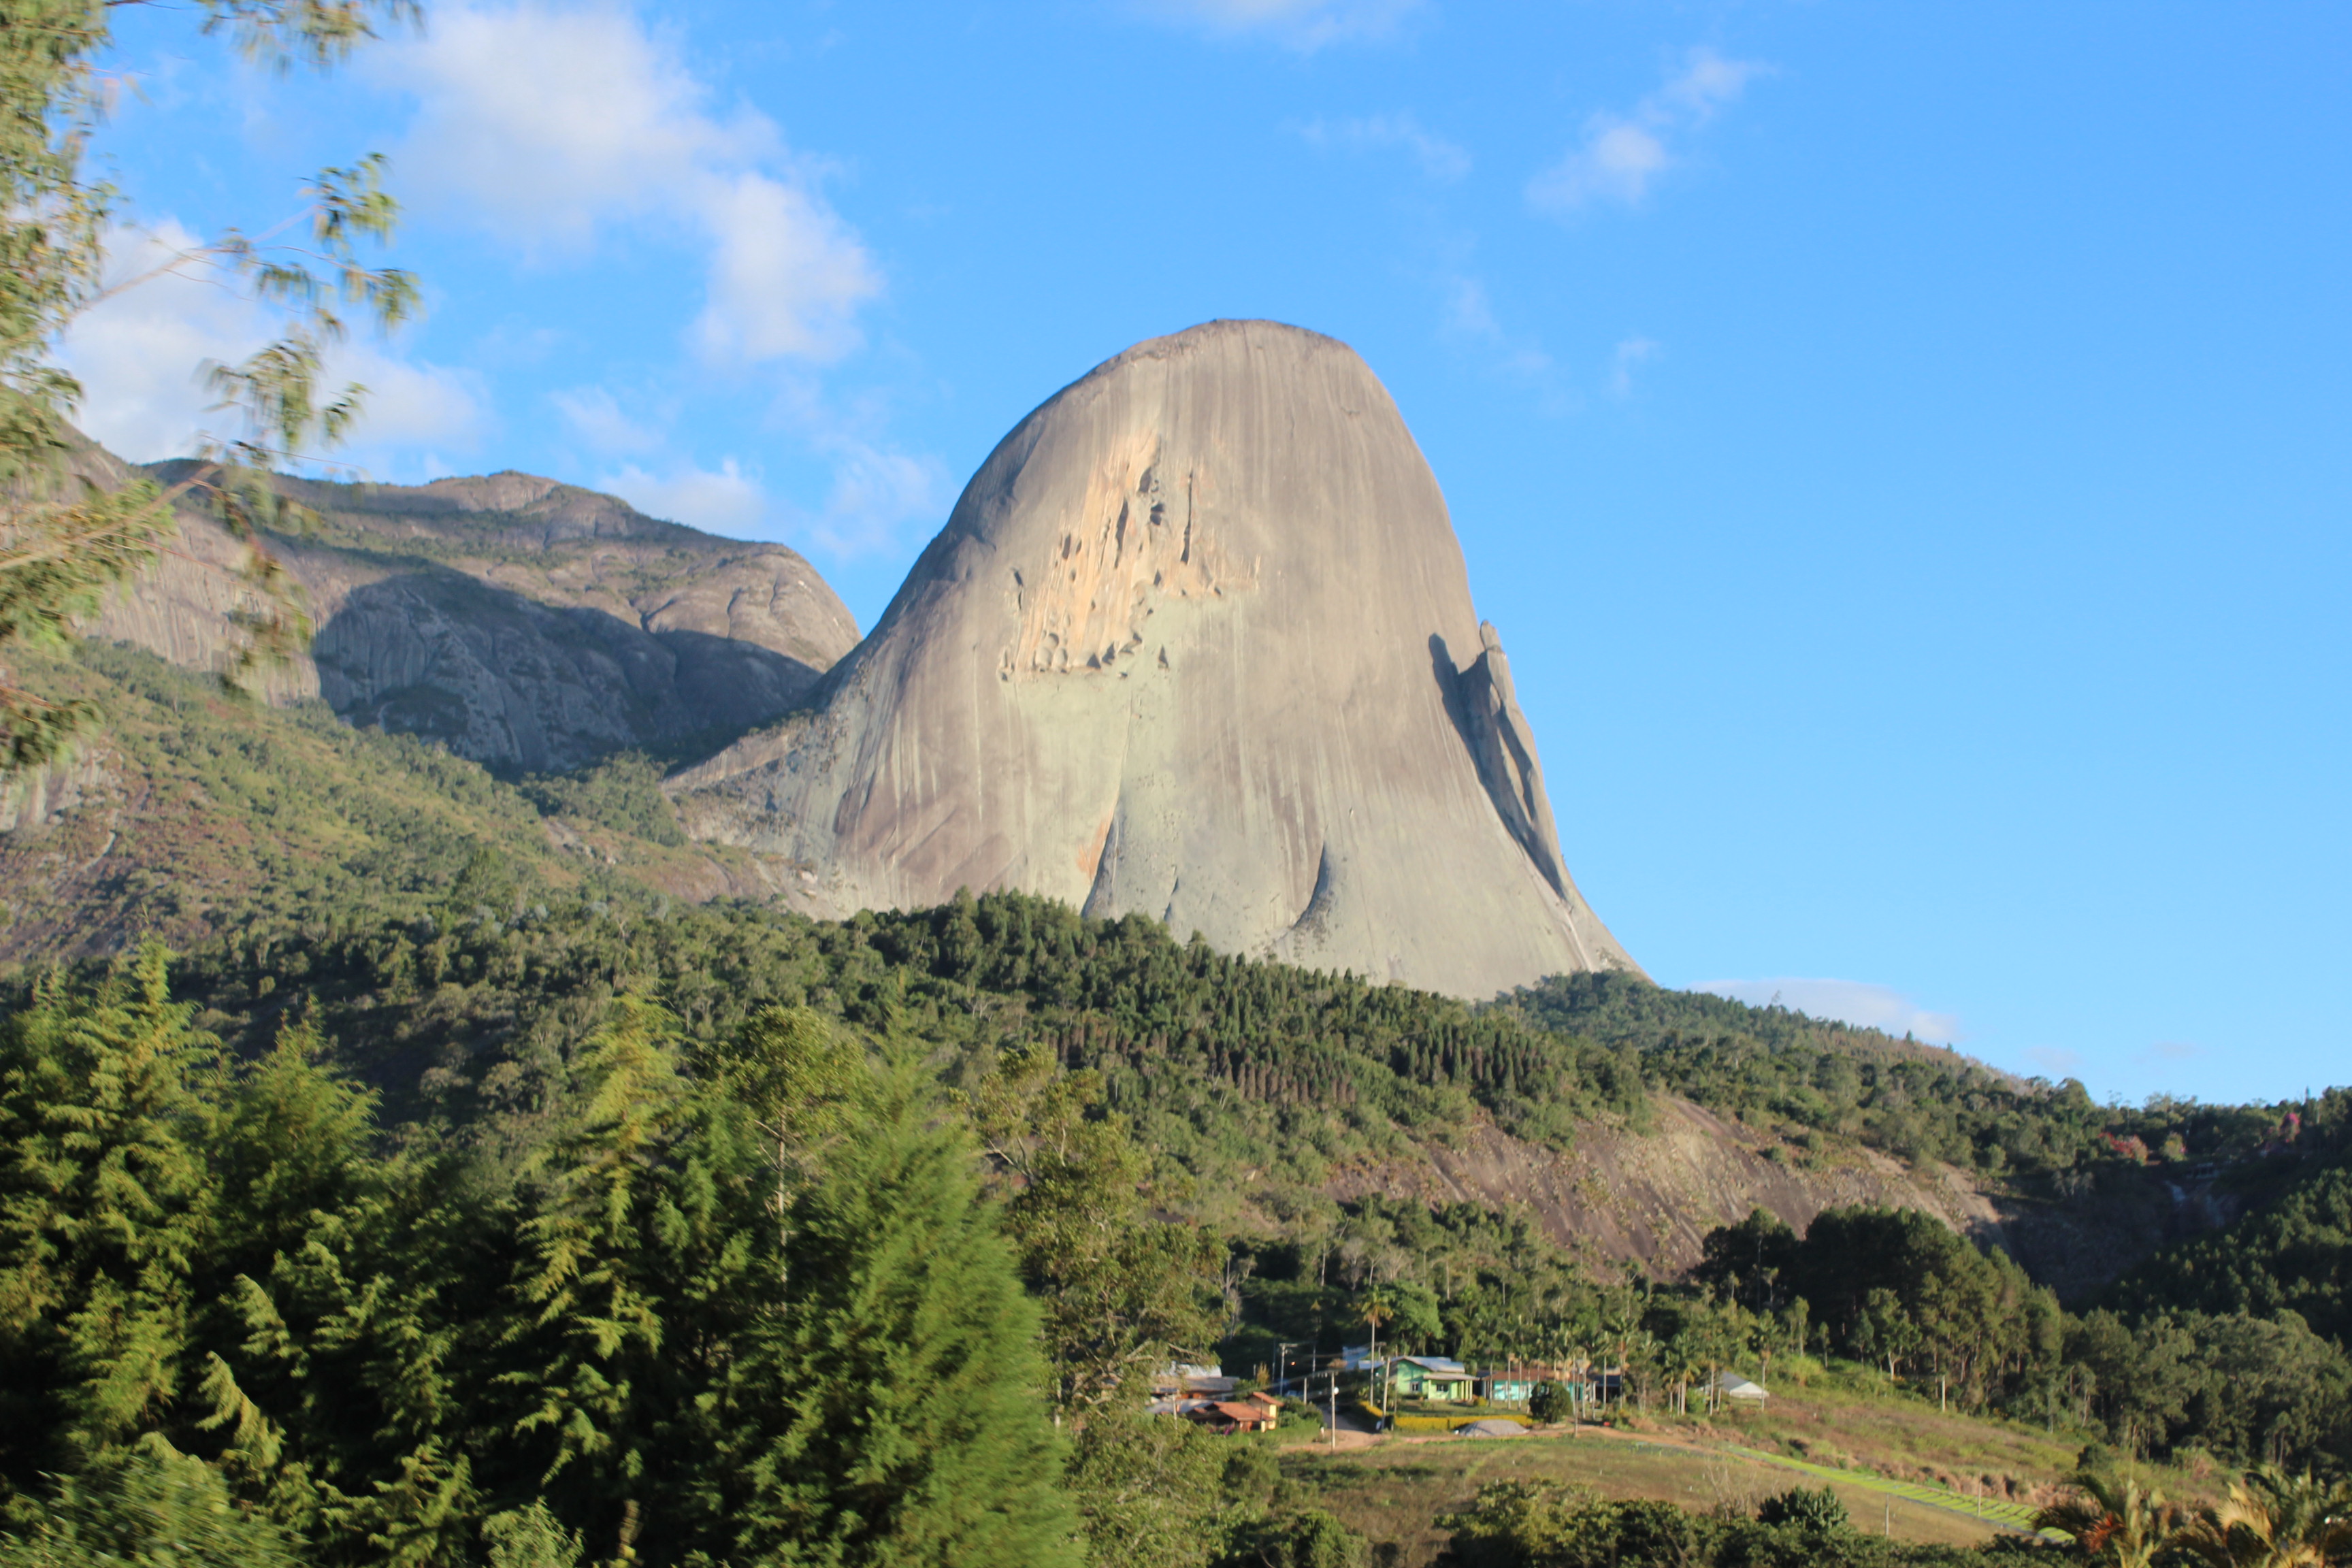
71	526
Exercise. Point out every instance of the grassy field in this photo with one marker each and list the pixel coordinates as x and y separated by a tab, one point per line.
1900	1464
1847	1418
1394	1490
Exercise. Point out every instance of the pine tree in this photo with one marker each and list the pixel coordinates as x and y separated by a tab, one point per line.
151	1505
918	1432
650	1251
104	1213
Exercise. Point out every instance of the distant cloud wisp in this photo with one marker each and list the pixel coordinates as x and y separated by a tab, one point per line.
874	494
597	418
1439	158
724	500
1622	156
1630	353
550	123
1302	25
1855	1001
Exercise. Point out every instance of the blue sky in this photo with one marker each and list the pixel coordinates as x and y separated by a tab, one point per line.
1907	450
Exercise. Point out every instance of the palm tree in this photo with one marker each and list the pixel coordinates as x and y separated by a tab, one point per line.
2113	1522
2273	1520
1685	1364
1377	1312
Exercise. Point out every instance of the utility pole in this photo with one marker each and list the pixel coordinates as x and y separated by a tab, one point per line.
1333	1428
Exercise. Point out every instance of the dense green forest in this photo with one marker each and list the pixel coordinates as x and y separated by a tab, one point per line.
474	1162
741	1300
2294	1256
459	1196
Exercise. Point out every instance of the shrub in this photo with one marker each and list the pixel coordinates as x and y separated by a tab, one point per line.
1815	1512
1309	1538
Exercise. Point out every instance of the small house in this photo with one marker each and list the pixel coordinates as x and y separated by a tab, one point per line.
1510	1388
1232	1416
1182	1379
1437	1378
1732	1387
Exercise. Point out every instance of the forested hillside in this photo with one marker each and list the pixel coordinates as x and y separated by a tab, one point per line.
2293	1255
461	1194
589	1229
197	812
1921	1102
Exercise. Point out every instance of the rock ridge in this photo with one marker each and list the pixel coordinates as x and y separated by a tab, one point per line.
530	625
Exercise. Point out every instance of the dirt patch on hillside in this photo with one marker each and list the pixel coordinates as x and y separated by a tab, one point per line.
1650	1198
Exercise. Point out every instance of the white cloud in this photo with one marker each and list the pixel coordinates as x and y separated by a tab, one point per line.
873	493
721	501
1619	159
2056	1059
597	418
1855	1001
1630	353
1707	83
408	403
1303	25
140	354
785	277
1439	159
551	125
1621	155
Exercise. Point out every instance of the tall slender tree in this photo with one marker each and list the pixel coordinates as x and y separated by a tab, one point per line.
918	1431
104	1209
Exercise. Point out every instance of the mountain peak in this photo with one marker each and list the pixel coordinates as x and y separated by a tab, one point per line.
1196	642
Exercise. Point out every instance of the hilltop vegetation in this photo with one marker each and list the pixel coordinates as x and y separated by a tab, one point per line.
1775	1067
199	813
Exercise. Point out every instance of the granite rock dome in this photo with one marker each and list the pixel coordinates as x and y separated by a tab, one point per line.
1196	642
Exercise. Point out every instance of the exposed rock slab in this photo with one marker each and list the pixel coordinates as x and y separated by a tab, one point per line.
528	624
1196	642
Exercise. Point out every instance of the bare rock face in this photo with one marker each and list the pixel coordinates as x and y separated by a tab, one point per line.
528	624
1197	642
